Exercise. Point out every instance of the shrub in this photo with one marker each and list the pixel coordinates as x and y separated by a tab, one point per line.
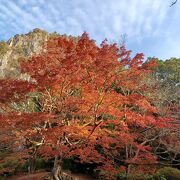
136	176
8	167
169	173
157	176
121	176
40	163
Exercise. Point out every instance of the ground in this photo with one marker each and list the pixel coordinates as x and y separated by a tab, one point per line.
43	174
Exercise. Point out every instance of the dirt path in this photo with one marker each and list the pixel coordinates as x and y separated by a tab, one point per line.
35	176
42	175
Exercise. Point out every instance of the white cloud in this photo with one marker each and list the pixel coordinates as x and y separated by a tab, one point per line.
139	19
133	17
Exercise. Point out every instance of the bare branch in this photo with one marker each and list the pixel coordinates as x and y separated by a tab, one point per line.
173	3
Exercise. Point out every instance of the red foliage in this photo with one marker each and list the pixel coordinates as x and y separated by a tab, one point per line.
14	90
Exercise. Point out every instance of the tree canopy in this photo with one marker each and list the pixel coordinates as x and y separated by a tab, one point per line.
91	106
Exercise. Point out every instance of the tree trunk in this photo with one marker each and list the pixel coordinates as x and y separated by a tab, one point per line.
31	167
57	172
32	162
57	169
128	171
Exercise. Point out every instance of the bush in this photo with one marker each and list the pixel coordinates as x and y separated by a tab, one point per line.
8	167
169	173
157	176
40	163
141	176
137	177
121	176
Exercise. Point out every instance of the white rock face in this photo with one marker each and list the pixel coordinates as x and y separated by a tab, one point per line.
21	46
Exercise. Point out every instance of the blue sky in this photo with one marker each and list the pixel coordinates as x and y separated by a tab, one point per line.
151	26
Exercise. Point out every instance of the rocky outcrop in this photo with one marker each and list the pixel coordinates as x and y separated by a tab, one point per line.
18	48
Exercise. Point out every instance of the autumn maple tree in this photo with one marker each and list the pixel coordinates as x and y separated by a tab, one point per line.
92	106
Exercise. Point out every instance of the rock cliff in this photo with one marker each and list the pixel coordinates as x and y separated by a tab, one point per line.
18	48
